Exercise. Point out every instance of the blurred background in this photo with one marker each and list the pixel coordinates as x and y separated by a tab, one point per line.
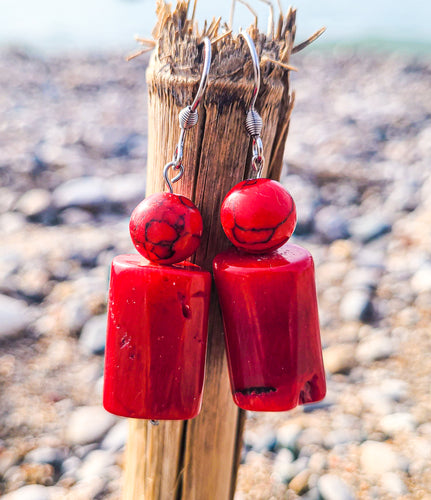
73	143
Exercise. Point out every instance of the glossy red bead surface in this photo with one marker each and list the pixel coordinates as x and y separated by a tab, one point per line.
156	339
166	228
271	326
258	215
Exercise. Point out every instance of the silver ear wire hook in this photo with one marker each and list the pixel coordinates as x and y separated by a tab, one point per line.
188	117
253	121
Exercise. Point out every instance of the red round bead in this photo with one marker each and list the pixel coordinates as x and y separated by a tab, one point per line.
166	228
258	215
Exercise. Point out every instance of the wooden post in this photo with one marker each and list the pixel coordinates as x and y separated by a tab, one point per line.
198	459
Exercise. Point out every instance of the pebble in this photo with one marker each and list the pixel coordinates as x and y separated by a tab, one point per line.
116	438
15	316
261	439
287	436
84	192
339	358
299	484
331	225
96	464
374	348
421	280
398	422
393	484
93	336
356	305
332	487
30	492
88	424
369	227
34	202
376	458
45	455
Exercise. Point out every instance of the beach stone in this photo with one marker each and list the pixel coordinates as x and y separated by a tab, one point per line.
395	423
299	484
356	306
339	358
88	424
93	336
342	436
394	389
116	438
369	227
374	348
126	188
86	192
287	436
393	484
45	455
70	466
34	202
331	225
30	492
376	458
317	462
421	280
95	464
261	439
332	487
15	316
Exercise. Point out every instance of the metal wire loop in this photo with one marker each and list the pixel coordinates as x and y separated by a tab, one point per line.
256	66
173	166
188	117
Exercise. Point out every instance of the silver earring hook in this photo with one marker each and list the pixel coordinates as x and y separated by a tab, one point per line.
188	117
253	121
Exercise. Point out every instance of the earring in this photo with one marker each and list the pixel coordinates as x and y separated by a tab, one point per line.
267	291
158	305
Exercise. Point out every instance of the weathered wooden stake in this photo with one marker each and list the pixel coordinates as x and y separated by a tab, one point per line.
198	459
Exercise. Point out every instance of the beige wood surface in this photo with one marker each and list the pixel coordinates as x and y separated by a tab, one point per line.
198	459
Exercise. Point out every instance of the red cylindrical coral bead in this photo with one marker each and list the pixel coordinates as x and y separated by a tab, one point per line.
258	215
271	328
156	339
166	228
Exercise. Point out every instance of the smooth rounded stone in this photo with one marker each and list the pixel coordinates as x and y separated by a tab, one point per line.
70	466
34	202
311	494
75	313
86	192
116	438
287	436
96	464
126	188
75	216
318	462
293	469
261	439
30	492
93	336
331	225
45	455
369	227
421	280
374	348
376	458
362	278
15	316
342	436
391	483
394	389
356	305
88	424
310	436
299	484
11	222
376	400
339	358
88	488
332	487
395	423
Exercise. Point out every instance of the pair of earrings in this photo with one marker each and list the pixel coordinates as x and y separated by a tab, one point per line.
158	305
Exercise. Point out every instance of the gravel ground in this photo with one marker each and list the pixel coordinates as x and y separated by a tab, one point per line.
72	163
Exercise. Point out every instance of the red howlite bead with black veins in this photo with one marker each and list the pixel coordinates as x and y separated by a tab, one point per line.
258	215
166	228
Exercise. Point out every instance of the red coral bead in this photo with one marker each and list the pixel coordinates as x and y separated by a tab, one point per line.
166	228
258	215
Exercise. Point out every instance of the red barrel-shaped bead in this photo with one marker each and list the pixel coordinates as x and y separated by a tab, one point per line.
271	328
156	339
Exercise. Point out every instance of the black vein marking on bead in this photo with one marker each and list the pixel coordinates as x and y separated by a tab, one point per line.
190	204
249	182
256	390
166	247
254	230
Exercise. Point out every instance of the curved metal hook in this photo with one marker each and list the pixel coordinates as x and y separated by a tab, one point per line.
205	73
256	67
168	181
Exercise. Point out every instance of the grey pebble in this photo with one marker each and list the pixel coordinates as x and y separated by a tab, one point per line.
34	202
331	225
45	455
377	458
88	424
369	227
374	348
15	316
30	492
332	487
86	192
70	466
93	336
287	436
96	464
356	305
116	438
398	422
